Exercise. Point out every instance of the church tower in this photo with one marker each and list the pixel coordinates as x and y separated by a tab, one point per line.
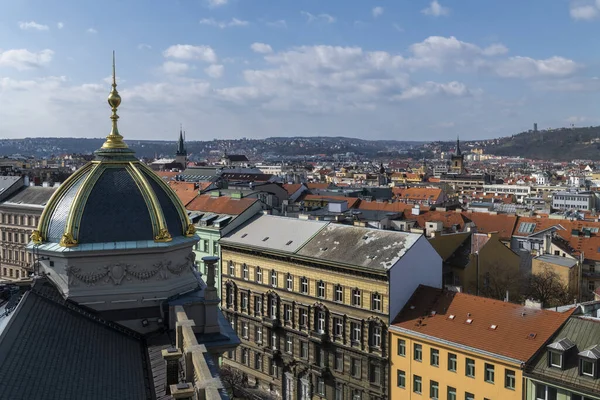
181	154
458	160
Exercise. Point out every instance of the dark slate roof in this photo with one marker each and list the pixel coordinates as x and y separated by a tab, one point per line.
115	201
52	349
61	211
585	333
168	207
31	196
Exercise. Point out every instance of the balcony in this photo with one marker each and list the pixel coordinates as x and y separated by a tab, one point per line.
319	336
271	322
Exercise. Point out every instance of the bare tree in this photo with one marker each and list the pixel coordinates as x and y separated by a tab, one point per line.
547	288
499	279
234	381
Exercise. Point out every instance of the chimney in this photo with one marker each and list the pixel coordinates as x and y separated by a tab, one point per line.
182	391
172	356
211	299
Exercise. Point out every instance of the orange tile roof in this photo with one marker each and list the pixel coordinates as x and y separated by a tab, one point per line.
291	188
186	191
167	175
418	193
220	205
519	332
502	223
448	218
317	185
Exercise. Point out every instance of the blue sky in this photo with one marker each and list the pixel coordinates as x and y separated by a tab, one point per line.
402	69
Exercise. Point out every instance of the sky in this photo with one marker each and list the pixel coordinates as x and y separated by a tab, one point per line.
228	69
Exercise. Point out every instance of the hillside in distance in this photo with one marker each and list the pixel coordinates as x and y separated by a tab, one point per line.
561	144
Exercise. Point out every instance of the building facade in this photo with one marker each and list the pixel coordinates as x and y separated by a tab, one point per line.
448	345
19	216
311	302
585	201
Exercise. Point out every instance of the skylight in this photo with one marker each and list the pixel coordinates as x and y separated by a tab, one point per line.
244	235
527	227
265	239
493	327
469	321
288	243
451	316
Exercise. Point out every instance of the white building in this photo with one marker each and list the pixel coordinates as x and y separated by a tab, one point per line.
519	191
573	200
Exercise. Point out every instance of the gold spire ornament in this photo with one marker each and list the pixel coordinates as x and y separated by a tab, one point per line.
114	140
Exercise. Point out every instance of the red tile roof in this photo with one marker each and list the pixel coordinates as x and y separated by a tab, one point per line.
220	205
504	224
317	185
519	331
418	194
291	188
186	191
167	175
352	201
448	219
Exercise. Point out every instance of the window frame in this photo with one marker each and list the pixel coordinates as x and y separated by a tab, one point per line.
418	349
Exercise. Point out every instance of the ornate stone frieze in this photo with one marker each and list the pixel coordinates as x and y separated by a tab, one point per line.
118	272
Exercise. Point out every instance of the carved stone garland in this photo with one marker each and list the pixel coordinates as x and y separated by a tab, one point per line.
119	271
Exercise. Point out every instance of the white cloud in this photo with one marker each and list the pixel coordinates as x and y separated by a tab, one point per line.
190	52
435	9
214	71
453	89
92	31
60	25
144	46
23	59
32	25
277	24
216	3
223	24
584	11
175	68
261	48
526	67
329	19
377	11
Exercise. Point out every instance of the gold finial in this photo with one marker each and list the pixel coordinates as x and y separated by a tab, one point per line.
114	140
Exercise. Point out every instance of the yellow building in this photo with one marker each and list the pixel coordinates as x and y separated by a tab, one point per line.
449	345
566	268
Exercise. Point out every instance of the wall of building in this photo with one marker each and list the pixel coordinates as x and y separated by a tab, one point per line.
420	265
445	378
16	226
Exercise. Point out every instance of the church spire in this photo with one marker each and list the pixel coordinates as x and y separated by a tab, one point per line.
458	152
181	143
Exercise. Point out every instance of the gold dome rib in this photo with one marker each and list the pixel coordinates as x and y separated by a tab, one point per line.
163	234
188	228
147	199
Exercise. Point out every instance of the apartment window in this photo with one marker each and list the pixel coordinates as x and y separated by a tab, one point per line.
273	307
321	321
417	384
376	336
205	245
509	379
215	247
289	344
245	330
320	356
434	390
229	296
452	363
555	359
375	373
489	373
273	278
244	301
418	352
469	396
434	357
303	317
376	302
259	275
356	331
274	340
591	286
401	379
355	367
321	386
356	297
231	268
587	367
321	289
245	271
339	293
339	361
470	367
287	312
451	393
258	362
289	282
544	392
304	285
257	305
338	391
273	368
338	327
245	360
402	347
258	334
356	394
304	350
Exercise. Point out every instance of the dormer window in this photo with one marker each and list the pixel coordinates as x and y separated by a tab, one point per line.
589	362
557	352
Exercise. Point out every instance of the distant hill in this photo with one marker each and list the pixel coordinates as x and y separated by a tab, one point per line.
558	144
